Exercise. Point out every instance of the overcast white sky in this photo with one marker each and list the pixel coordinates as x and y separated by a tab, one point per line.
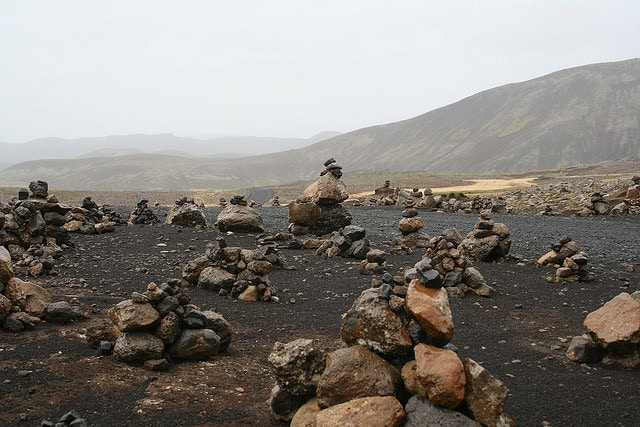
74	68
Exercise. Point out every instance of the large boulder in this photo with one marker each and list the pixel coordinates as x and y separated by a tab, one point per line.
430	307
371	322
33	299
186	213
375	411
616	324
485	396
239	218
355	372
131	316
332	218
327	190
195	344
441	374
136	347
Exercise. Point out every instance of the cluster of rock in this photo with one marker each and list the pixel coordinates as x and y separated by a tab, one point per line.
25	304
161	325
186	213
488	241
231	270
579	197
410	226
71	419
397	367
612	334
142	214
348	242
35	227
319	211
239	217
444	262
570	263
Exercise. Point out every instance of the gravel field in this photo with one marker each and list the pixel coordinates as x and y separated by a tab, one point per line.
519	333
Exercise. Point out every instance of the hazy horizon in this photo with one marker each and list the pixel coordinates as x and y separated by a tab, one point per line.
73	69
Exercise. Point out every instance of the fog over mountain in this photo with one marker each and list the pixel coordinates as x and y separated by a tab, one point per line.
571	117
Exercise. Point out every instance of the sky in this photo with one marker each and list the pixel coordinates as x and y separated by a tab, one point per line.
282	68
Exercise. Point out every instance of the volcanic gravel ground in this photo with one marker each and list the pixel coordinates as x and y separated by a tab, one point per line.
520	333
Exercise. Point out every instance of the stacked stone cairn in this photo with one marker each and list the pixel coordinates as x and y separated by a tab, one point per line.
241	273
143	214
239	217
385	195
319	211
626	200
396	367
443	261
489	241
410	226
348	242
25	304
186	213
160	325
612	334
275	201
36	228
571	264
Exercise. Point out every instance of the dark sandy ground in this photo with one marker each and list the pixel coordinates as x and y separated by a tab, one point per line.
520	333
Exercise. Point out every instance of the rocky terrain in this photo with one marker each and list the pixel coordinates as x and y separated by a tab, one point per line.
520	334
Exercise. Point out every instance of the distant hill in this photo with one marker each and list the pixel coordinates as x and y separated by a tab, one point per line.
577	116
118	145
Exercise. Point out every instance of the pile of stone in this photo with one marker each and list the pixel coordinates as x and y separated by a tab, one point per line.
386	196
410	226
488	241
232	270
612	334
160	325
186	213
570	263
71	418
579	197
444	263
319	211
348	242
25	304
142	214
375	262
397	367
275	201
239	217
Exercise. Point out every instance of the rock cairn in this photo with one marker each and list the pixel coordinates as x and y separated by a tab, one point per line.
570	263
24	304
36	227
488	241
160	325
455	271
143	214
376	263
230	270
239	217
397	367
186	213
319	211
348	242
71	418
410	226
612	334
275	201
385	195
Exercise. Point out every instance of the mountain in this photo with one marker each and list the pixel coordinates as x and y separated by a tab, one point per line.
576	116
117	145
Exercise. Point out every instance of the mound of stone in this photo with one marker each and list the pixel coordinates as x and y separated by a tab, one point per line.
186	213
570	263
161	325
488	241
360	385
612	334
143	214
239	217
229	270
